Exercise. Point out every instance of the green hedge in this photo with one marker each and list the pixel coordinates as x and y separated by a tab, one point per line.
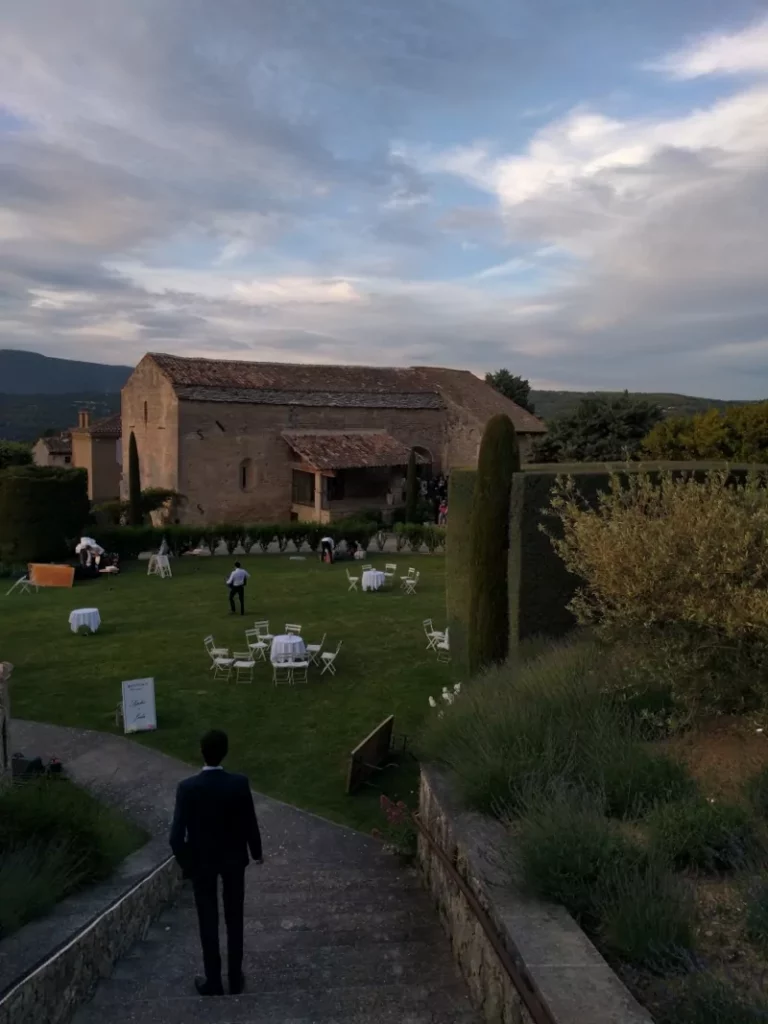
458	553
42	510
540	587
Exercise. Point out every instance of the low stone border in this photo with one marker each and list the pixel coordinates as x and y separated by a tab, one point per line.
576	983
49	967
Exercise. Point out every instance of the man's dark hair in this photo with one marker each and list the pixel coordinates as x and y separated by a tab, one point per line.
214	746
237	565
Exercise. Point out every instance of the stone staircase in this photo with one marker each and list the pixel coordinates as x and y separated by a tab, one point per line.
357	941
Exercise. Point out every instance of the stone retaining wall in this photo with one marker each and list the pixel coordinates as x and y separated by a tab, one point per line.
50	966
575	982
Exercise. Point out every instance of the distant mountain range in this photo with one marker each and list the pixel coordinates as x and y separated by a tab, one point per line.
39	393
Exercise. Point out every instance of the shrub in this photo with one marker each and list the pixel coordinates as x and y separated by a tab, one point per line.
679	564
499	459
704	999
14	453
401	536
181	539
631	778
111	513
381	539
232	536
127	541
33	878
570	853
457	558
757	913
695	832
211	538
135	510
646	917
434	538
757	791
42	509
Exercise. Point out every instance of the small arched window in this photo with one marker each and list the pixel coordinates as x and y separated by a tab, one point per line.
246	474
146	413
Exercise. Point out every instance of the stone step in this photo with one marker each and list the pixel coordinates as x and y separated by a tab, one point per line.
368	1004
372	900
334	967
302	879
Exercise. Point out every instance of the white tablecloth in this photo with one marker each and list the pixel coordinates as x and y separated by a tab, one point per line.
288	648
373	579
84	617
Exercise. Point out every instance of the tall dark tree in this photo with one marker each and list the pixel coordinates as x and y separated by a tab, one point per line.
603	429
498	461
516	389
14	453
135	507
411	489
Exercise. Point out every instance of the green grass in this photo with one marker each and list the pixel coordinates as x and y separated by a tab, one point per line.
293	742
54	838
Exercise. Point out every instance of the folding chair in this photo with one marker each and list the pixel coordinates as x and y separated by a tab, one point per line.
353	581
256	645
443	648
222	667
390	570
24	585
242	662
367	568
299	671
410	583
293	628
328	658
281	672
263	628
213	650
314	650
433	635
411	574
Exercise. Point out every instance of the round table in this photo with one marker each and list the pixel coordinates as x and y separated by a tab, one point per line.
373	579
287	647
84	617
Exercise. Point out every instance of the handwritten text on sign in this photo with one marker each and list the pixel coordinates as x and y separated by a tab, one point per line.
139	712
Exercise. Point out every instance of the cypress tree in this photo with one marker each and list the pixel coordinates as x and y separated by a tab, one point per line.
499	459
411	489
135	513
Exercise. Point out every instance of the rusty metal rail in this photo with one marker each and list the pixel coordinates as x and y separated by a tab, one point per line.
510	959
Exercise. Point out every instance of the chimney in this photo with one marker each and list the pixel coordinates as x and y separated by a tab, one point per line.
83	419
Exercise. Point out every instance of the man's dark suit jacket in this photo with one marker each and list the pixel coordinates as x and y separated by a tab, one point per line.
214	824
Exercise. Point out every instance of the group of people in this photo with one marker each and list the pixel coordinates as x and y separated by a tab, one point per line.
435	491
94	559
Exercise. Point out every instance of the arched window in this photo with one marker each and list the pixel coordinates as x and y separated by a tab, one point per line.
146	413
246	474
425	467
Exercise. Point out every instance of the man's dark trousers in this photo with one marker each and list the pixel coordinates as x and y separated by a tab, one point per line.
240	593
205	886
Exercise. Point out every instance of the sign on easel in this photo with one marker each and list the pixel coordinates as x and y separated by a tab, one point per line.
139	713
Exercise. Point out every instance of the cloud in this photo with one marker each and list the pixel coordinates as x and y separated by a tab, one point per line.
720	53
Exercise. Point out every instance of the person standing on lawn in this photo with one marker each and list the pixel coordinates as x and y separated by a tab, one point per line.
236	583
214	829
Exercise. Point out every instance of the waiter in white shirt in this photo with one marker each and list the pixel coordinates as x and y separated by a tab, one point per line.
236	583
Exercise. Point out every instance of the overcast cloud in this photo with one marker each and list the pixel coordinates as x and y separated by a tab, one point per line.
575	192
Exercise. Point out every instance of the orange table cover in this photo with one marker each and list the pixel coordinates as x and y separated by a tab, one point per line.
51	575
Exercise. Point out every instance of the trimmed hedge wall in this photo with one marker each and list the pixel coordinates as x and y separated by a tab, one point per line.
540	587
458	556
42	509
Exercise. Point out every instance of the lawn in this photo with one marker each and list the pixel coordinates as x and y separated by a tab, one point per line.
293	742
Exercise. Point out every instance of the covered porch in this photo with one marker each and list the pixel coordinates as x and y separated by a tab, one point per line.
339	474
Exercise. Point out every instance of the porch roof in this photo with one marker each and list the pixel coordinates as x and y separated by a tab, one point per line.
349	450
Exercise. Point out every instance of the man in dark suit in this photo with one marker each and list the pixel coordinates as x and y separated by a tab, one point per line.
214	828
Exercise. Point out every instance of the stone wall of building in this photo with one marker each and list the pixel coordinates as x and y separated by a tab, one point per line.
216	439
150	410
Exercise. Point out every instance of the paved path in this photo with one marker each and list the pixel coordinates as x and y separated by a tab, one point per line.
336	932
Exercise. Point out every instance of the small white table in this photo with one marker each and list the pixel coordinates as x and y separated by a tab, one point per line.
373	579
84	617
287	647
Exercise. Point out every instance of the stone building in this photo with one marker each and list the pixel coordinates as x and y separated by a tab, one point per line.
250	442
94	447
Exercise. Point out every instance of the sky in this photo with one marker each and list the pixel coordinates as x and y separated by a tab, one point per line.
577	191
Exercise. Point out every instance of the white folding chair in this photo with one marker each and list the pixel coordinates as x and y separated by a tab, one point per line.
281	672
367	568
263	628
353	581
443	648
256	645
328	658
24	585
299	671
390	571
222	667
433	635
242	663
292	628
213	650
314	650
411	574
410	583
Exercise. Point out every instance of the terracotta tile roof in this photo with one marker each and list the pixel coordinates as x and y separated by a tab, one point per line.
59	445
227	380
348	450
110	426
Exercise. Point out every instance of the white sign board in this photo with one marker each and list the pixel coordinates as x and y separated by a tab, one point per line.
139	713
